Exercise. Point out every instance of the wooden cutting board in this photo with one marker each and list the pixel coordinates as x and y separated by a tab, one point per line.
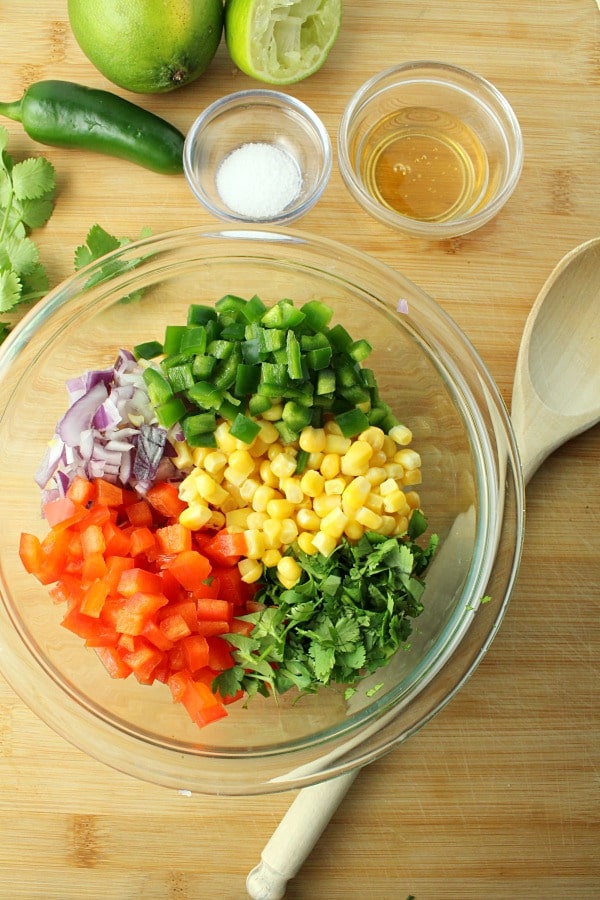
497	797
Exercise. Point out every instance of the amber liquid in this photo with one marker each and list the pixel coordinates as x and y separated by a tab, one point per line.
425	164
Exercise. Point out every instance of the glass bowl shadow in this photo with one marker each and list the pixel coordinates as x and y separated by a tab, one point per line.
472	495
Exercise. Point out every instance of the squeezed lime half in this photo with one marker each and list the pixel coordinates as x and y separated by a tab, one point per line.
281	41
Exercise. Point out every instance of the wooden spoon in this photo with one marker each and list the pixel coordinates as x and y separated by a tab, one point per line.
556	395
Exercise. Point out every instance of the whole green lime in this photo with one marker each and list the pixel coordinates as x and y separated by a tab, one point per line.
148	46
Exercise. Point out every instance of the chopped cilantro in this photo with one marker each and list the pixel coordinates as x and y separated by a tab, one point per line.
346	616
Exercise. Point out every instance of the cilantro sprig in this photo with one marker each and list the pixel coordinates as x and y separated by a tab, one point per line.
26	202
345	618
97	244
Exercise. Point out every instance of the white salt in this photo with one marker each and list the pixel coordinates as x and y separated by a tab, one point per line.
258	180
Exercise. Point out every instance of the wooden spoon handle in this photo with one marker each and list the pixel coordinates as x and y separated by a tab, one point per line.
295	837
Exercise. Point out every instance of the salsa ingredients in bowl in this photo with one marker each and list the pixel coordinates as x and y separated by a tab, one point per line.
430	377
232	509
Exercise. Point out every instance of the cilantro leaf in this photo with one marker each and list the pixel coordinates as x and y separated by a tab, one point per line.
33	178
10	289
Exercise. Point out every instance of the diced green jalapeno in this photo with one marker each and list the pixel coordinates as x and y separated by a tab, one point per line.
244	429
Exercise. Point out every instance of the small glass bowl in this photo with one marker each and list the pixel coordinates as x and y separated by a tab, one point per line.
285	135
430	149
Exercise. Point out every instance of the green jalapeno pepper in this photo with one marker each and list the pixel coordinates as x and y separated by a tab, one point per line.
63	114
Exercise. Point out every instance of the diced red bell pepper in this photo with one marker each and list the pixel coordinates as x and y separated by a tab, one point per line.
108	494
137	610
195	649
164	497
94	598
190	568
138	579
113	662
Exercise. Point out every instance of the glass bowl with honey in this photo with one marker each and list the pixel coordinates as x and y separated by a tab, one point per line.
430	149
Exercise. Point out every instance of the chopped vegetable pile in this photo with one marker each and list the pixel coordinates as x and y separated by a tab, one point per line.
233	509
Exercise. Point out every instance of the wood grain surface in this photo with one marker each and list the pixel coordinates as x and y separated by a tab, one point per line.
498	797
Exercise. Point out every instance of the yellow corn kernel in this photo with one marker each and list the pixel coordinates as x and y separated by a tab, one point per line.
288	571
312	483
324	503
215	462
237	518
272	532
314	461
335	485
273	414
242	461
401	525
308	520
373	436
356	493
289	532
217	520
413	499
280	509
334	523
261	497
336	443
234	493
312	439
375	502
376	475
394	470
256	519
233	476
188	492
184	458
356	459
395	502
274	448
258	448
268	434
389	446
255	543
267	475
271	558
209	490
305	542
199	454
409	459
332	427
283	465
412	476
400	434
330	465
324	543
379	458
248	488
388	523
369	518
225	441
250	570
195	516
292	489
388	486
354	530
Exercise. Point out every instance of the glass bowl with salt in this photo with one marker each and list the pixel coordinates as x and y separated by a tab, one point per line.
258	156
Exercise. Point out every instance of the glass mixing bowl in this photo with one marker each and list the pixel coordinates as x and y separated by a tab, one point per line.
472	495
